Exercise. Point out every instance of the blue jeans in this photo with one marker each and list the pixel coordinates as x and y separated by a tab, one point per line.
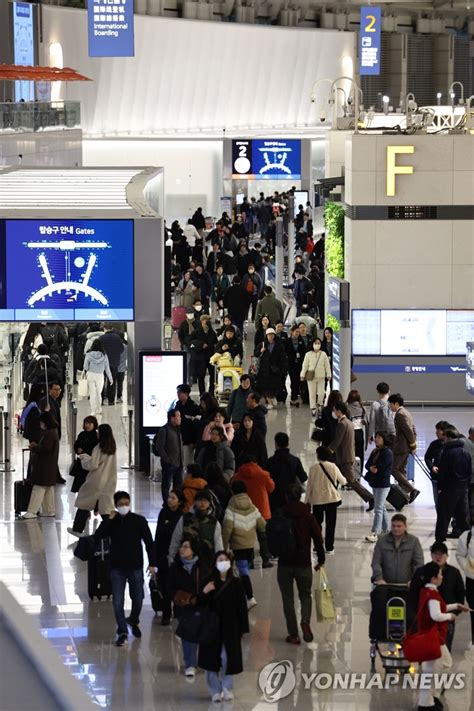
170	474
135	589
243	567
380	512
217	681
190	653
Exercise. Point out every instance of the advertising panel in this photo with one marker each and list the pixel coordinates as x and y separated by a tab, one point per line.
23	47
161	373
77	270
262	159
111	28
369	40
470	368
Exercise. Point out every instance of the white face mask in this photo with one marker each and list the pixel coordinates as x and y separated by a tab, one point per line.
198	308
316	347
123	510
223	566
334	415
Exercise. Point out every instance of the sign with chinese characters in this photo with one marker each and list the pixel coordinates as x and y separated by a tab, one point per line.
369	40
272	159
23	47
111	30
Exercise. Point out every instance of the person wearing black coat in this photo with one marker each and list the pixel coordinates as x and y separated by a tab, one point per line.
295	353
258	413
202	279
231	344
202	344
224	595
84	444
433	455
379	469
237	302
327	423
190	416
198	220
273	367
453	485
285	469
168	517
248	442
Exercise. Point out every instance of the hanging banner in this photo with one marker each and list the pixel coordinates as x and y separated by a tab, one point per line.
369	40
111	30
23	47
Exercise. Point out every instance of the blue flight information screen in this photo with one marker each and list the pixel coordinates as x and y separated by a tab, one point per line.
262	159
66	270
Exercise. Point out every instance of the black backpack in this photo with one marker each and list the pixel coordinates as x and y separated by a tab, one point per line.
280	536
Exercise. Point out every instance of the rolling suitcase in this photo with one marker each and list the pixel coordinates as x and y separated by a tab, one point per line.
397	497
178	315
98	571
21	489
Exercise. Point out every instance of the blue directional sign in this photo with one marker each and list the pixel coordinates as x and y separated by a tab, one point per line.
369	40
111	30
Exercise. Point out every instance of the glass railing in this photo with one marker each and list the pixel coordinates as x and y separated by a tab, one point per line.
39	115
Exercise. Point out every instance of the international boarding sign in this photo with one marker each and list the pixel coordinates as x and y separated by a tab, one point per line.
111	30
369	40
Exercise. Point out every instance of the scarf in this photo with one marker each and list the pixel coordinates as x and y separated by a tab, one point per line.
189	564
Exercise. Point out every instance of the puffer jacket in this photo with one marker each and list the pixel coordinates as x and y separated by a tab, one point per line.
191	486
454	466
241	521
259	485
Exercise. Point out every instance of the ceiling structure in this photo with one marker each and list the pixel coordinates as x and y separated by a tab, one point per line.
407	5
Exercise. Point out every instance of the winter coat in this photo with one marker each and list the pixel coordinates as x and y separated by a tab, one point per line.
317	361
191	486
237	404
259	486
295	356
254	446
188	293
185	331
229	602
169	445
233	346
31	426
252	281
101	483
241	521
328	425
469	447
113	347
221	453
270	305
237	302
86	441
220	284
188	426
193	582
97	362
396	564
343	444
90	338
465	552
202	346
285	469
382	459
259	414
165	526
454	466
272	369
319	490
205	529
405	432
306	530
44	459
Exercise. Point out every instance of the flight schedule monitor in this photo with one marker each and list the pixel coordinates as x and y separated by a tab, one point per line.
66	270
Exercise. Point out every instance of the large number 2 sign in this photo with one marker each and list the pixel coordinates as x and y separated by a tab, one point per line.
370	27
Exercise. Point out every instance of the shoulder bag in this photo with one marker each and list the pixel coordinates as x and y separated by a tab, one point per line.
311	373
422	646
338	503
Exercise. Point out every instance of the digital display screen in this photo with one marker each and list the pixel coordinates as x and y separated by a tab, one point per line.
111	28
272	159
67	270
23	47
161	373
300	197
411	332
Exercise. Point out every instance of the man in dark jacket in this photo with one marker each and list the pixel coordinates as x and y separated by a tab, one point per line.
258	412
113	347
295	353
127	530
297	566
52	404
252	284
168	445
202	280
433	455
285	469
237	405
190	411
198	221
237	301
451	589
453	485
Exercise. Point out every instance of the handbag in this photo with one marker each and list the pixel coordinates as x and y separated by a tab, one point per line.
338	503
324	601
422	646
82	386
184	599
311	373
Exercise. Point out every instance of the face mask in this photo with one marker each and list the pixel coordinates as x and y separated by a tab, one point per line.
333	414
123	510
223	566
316	347
198	308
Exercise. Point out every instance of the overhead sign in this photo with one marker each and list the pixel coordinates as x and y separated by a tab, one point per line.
111	30
272	159
369	40
23	47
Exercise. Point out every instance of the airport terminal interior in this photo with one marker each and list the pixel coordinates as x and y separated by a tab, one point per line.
268	207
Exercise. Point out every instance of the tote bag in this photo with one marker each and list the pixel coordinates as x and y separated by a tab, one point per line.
82	386
325	610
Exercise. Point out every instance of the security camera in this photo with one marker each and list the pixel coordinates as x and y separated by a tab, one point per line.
322	116
313	98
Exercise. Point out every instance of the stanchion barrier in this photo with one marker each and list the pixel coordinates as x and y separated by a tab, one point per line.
5	465
155	473
1	435
130	464
72	429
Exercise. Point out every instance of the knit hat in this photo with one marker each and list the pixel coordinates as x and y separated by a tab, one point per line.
204	494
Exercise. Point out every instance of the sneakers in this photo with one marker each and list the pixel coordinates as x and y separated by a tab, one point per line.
76	533
269	406
453	534
190	672
293	639
119	401
330	552
372	538
27	516
413	495
307	633
121	640
216	698
136	631
45	515
228	694
313	413
251	603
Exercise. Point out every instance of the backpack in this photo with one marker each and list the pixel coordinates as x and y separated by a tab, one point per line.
50	337
384	418
280	536
249	287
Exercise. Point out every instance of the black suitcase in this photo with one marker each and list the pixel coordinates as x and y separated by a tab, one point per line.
397	497
21	489
98	571
156	594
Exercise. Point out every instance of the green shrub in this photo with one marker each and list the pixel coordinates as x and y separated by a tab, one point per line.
333	323
334	225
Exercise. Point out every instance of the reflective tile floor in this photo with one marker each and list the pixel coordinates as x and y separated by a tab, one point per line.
38	566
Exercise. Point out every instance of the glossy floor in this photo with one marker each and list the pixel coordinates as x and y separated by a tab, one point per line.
39	567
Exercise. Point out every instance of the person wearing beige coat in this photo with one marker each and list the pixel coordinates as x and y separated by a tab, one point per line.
316	362
323	494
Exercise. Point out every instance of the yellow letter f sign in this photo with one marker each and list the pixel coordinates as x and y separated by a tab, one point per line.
393	169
